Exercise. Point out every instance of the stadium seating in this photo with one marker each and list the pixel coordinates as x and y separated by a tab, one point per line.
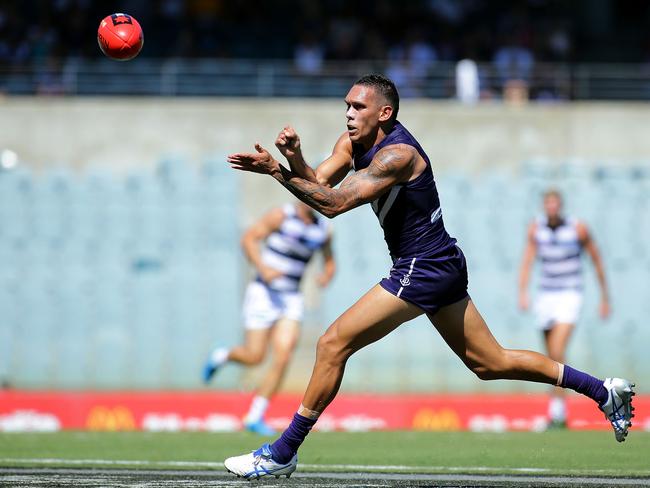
126	281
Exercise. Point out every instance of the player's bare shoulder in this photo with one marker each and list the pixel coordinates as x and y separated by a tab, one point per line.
401	160
344	145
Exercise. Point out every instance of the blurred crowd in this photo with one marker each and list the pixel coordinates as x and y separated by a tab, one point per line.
512	36
316	30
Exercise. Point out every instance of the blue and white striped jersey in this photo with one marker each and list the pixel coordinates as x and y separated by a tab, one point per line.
559	251
290	248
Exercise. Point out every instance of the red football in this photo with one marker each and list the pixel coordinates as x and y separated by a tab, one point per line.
120	37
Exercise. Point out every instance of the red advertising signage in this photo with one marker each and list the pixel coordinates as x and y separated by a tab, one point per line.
222	411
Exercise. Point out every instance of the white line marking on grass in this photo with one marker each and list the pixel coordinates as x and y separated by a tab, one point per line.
388	467
114	462
316	467
154	478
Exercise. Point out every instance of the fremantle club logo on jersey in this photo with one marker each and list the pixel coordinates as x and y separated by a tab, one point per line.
405	281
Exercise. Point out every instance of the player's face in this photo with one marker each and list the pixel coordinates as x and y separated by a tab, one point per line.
552	206
366	109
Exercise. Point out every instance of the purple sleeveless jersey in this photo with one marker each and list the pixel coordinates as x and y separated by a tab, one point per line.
410	212
429	269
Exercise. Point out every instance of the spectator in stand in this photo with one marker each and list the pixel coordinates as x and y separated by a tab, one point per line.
309	54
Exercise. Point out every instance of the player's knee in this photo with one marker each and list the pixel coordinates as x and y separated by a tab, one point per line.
329	347
326	346
281	358
484	373
496	367
255	356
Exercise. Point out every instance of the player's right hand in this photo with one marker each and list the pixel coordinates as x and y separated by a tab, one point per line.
288	142
269	274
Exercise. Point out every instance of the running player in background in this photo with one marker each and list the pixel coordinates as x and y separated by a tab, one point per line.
273	304
559	241
429	273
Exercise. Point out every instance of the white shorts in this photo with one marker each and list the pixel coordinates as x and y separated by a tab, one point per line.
263	306
553	307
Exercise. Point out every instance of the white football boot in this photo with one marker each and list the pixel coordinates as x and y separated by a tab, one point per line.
618	407
260	463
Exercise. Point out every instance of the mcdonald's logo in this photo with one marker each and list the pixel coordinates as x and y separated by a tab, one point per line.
443	419
110	419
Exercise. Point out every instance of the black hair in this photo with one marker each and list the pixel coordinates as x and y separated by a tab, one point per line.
385	87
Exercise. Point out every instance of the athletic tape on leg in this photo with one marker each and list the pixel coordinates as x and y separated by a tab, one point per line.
310	414
560	374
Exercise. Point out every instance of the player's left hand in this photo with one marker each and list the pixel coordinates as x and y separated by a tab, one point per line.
258	162
288	143
604	309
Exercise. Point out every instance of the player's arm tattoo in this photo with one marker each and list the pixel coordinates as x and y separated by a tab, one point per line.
313	194
390	166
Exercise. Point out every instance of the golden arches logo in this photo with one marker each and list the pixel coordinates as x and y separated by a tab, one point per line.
110	418
443	419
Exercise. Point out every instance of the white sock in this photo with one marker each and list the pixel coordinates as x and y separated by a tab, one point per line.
257	410
557	409
219	356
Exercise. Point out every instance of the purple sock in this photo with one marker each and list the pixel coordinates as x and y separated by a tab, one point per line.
287	445
585	384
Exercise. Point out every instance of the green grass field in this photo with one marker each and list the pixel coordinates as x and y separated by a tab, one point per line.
549	453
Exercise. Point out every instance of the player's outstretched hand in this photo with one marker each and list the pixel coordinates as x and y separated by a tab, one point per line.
288	143
258	162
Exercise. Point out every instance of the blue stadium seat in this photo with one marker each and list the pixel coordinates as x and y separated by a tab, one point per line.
15	196
575	169
539	168
126	281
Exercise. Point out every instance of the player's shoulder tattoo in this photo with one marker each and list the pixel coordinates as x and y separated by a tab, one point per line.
393	158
